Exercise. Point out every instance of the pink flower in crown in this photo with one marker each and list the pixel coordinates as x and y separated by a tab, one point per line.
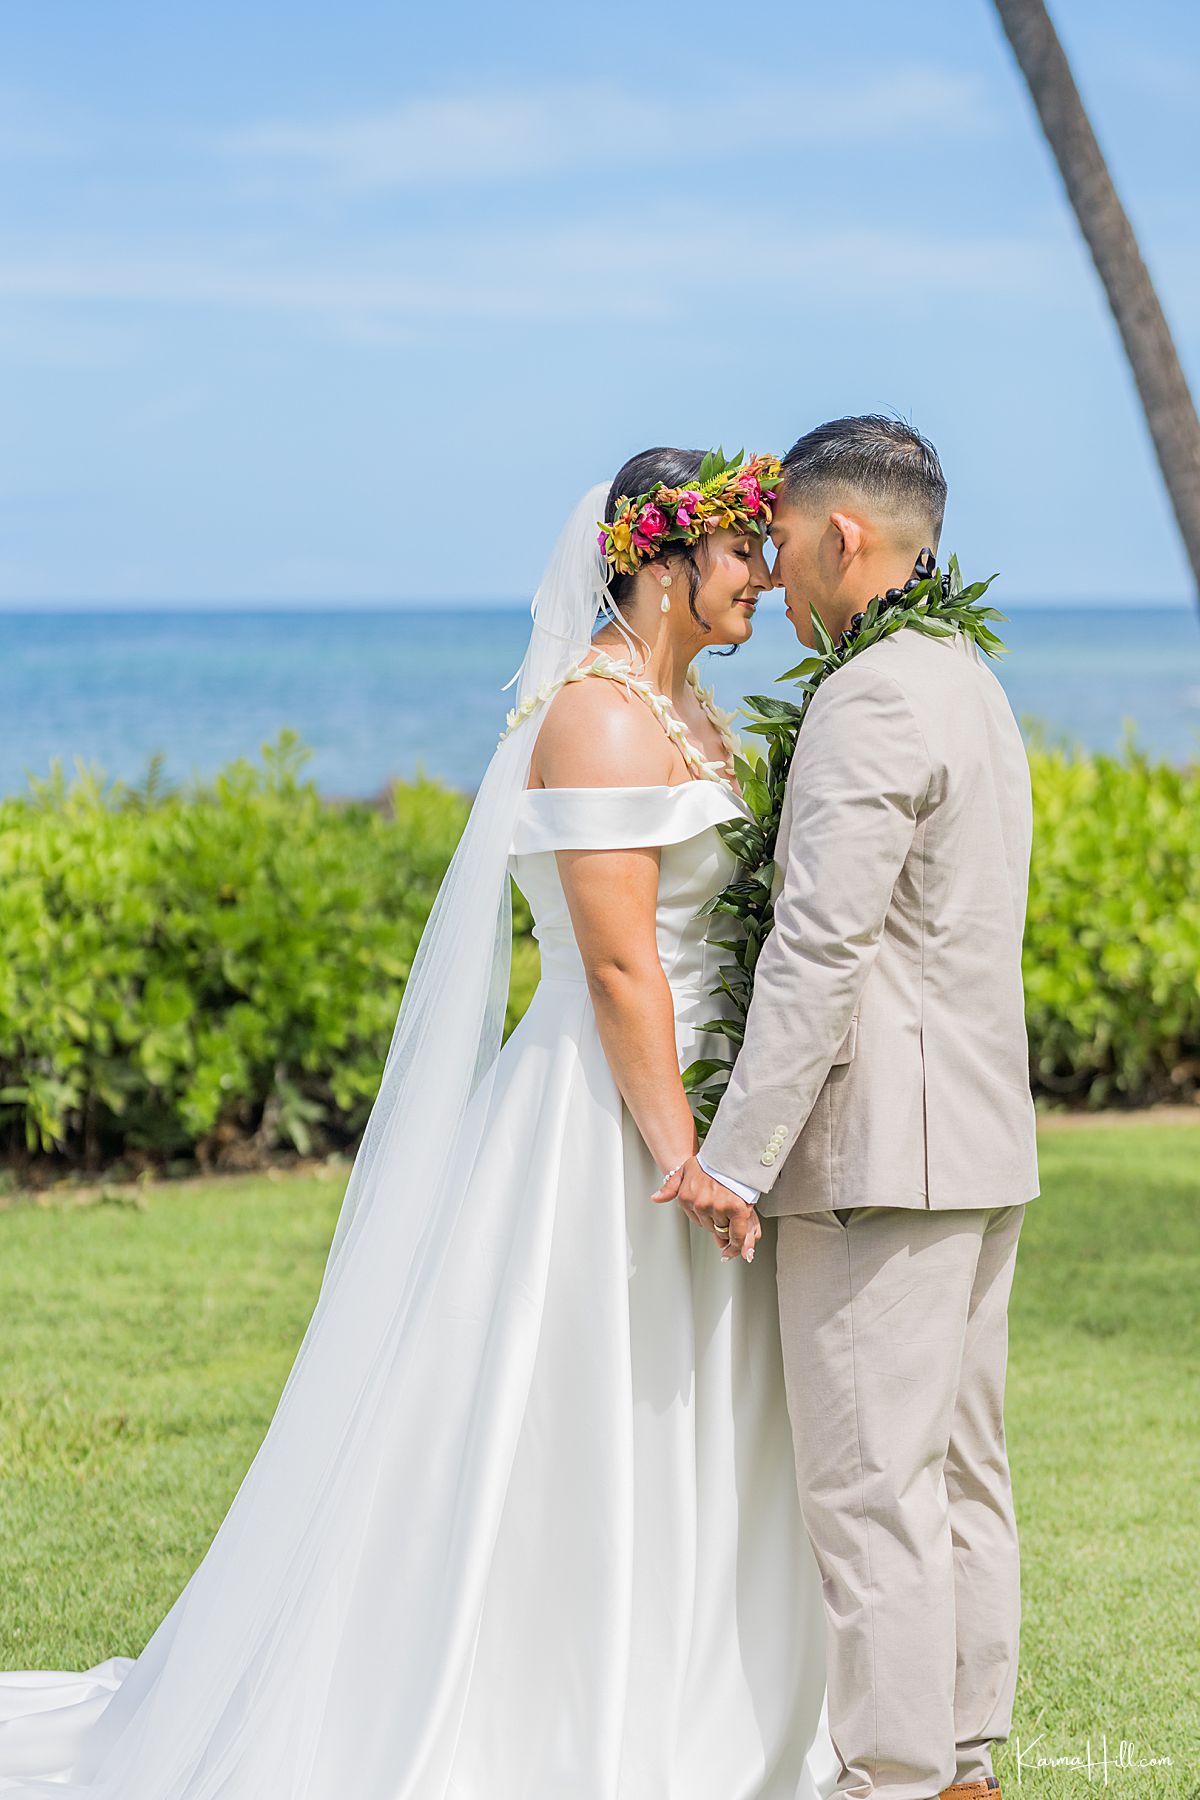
685	512
749	486
651	525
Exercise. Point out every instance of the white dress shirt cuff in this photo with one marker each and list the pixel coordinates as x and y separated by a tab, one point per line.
748	1194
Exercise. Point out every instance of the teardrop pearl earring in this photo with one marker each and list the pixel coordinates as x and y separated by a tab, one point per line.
666	599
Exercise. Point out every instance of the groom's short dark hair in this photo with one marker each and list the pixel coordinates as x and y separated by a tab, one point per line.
881	458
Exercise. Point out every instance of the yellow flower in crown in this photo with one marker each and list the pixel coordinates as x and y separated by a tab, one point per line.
727	494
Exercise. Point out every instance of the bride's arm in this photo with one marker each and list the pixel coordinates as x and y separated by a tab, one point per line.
596	737
613	895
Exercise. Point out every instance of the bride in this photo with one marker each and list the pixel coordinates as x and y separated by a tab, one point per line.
524	1525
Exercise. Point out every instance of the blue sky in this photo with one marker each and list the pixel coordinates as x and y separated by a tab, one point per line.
351	302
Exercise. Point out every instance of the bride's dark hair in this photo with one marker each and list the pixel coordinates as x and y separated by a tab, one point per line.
675	468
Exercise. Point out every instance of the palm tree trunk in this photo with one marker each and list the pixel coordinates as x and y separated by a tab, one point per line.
1168	404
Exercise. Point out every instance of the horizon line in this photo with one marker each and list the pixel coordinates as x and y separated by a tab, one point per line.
477	603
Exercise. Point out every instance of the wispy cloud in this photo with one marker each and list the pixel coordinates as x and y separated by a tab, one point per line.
535	275
468	137
428	265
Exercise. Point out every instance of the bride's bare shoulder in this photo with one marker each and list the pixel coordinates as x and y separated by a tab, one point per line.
595	733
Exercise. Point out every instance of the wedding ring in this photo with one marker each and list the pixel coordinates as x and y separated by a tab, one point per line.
722	1232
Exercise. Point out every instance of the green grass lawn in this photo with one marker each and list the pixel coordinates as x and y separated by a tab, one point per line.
144	1347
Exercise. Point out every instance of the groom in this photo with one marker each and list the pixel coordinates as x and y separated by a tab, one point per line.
880	1106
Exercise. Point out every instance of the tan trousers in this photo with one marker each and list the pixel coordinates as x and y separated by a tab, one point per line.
895	1343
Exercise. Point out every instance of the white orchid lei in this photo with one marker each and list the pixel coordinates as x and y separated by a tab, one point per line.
613	668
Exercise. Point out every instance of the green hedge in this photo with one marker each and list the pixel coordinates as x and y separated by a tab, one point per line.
1112	940
214	973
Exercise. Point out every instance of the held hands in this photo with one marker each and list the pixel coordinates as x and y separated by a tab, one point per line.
735	1225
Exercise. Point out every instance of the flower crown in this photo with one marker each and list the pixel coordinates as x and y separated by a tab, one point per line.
733	495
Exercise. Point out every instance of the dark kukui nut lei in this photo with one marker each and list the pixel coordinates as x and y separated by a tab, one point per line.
932	602
924	569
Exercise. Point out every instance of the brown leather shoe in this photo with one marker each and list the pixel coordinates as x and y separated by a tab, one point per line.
982	1789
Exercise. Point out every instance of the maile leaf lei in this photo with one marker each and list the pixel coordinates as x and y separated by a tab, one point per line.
939	605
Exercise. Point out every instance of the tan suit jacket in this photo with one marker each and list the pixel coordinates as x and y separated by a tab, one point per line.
886	1061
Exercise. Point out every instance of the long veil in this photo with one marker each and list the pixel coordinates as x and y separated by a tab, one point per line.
450	1023
226	1699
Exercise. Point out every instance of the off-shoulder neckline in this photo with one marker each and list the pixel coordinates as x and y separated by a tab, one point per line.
638	787
562	818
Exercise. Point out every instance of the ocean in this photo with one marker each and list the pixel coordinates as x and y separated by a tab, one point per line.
380	692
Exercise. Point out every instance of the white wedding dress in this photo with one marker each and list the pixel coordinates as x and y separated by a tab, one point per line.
569	1561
